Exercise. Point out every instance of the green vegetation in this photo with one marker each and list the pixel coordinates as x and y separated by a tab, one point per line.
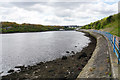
109	24
12	27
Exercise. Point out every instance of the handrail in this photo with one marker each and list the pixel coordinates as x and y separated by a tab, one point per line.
114	42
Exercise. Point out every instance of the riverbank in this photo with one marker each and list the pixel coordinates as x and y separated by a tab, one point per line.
13	27
67	67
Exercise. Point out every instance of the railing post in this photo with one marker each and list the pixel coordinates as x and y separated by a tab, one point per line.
112	38
119	53
114	44
109	36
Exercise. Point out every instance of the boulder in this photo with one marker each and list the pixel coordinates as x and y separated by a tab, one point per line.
82	55
67	52
11	71
64	58
20	66
75	46
72	52
40	63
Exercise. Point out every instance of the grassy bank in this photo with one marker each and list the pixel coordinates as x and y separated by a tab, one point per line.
109	24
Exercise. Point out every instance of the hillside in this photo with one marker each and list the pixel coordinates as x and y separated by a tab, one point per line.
109	24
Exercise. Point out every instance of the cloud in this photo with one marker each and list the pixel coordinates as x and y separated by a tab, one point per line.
110	0
57	13
119	7
49	0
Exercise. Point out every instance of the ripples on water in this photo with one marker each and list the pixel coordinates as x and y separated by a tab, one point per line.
31	48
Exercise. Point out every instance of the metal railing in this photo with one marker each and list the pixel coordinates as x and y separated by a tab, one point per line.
114	42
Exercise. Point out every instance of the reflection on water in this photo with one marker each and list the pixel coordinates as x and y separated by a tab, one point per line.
31	48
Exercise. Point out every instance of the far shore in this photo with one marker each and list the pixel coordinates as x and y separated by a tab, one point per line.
30	32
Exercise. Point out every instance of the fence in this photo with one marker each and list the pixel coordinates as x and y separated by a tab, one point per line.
114	42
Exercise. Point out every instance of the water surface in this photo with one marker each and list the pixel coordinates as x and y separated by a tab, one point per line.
31	48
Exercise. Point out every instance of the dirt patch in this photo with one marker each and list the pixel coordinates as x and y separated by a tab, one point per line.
62	68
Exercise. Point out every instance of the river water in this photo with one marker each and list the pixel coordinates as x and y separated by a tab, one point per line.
31	48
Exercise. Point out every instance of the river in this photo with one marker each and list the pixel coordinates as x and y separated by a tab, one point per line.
31	48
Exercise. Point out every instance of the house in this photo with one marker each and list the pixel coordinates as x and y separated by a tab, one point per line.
61	29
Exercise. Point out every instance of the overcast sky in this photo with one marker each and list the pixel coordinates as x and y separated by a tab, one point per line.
54	12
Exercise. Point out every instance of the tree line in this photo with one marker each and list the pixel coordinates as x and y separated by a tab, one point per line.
110	24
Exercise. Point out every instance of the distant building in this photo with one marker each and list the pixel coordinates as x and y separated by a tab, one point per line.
61	29
77	28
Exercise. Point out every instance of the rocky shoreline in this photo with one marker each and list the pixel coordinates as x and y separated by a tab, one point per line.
67	67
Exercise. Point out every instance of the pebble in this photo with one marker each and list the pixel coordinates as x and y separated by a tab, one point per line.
69	72
46	66
79	68
36	77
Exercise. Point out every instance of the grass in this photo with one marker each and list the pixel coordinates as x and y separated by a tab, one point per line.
108	24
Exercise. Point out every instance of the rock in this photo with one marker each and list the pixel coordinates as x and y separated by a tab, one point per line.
64	58
82	65
72	72
1	72
83	55
77	65
55	62
68	72
26	74
73	55
73	52
46	66
40	63
65	78
75	46
11	71
36	77
67	52
17	70
50	70
79	68
69	67
20	66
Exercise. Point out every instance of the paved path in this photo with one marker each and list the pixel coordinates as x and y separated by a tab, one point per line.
99	64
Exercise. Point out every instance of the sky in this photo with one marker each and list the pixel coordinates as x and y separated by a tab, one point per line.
56	12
